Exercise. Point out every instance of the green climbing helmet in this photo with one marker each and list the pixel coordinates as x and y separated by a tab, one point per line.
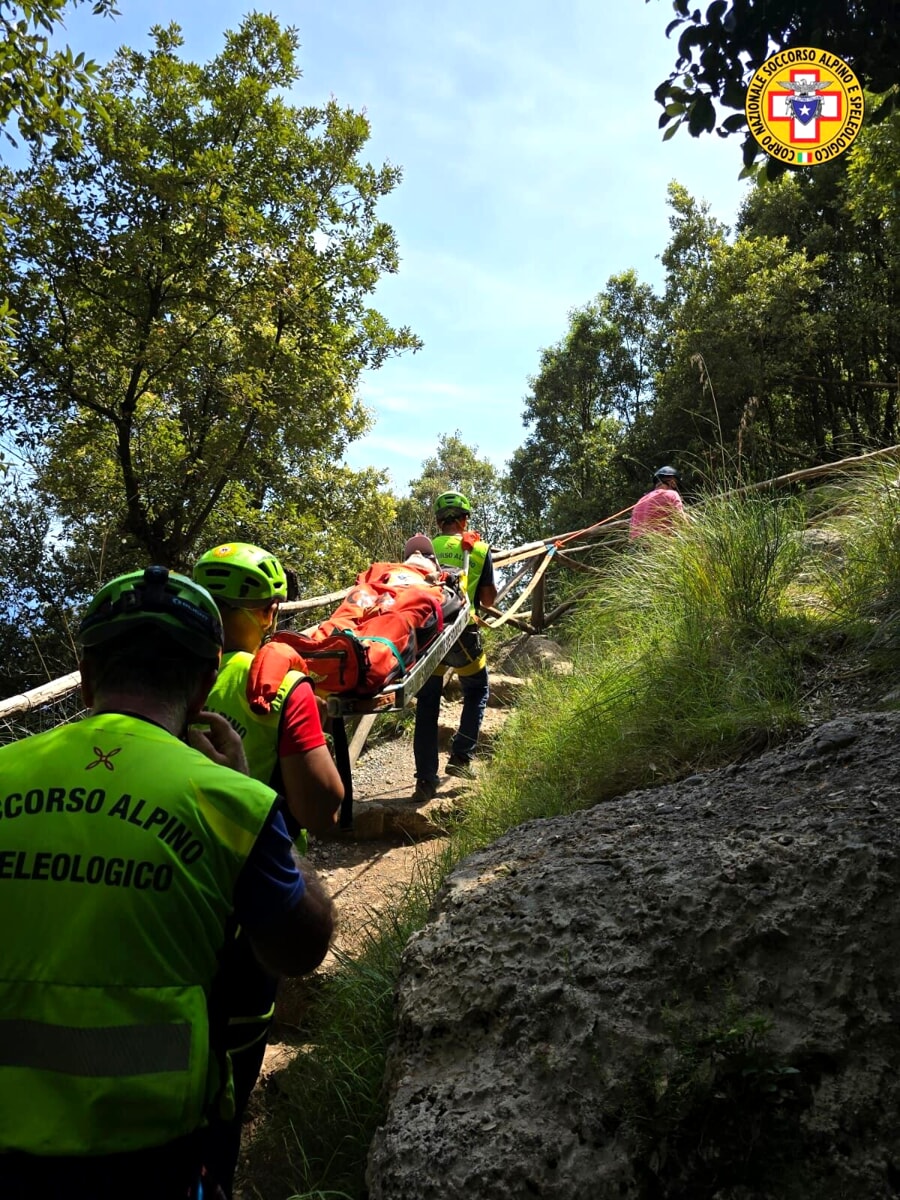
159	598
243	575
451	504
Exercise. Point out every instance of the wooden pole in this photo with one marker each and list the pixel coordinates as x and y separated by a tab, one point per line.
537	602
37	697
360	733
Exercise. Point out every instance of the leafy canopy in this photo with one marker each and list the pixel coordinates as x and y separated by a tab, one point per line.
41	86
456	466
190	277
591	389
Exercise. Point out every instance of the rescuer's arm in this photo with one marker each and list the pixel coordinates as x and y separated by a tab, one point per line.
298	940
214	737
310	780
284	909
312	789
486	592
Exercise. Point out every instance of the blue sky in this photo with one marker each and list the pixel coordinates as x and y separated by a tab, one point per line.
533	170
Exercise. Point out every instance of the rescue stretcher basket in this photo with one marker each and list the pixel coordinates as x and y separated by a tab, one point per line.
394	696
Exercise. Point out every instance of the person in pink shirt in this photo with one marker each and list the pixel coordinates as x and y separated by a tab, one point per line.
661	509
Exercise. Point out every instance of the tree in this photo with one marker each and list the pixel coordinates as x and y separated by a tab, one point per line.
873	167
694	236
42	89
36	634
843	214
190	278
591	389
456	467
738	341
781	347
40	86
719	50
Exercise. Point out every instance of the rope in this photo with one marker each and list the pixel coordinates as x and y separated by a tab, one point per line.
536	578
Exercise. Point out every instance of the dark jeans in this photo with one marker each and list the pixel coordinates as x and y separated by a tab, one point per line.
167	1172
475	690
223	1138
246	991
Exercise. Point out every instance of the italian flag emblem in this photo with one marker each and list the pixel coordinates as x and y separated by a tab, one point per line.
804	156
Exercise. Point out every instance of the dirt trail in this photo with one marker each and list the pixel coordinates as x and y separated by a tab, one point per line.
362	873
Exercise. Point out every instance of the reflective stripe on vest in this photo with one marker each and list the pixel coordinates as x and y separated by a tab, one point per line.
113	1050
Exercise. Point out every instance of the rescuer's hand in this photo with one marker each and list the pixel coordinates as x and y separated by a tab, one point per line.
213	736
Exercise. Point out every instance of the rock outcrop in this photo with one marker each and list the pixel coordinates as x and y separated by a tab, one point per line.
691	991
529	653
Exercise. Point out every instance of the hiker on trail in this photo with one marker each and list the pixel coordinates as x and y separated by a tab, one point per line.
659	510
128	844
467	658
285	748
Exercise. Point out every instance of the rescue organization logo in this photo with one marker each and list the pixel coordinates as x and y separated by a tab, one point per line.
804	106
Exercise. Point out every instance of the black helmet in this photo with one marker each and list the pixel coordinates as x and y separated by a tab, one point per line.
666	473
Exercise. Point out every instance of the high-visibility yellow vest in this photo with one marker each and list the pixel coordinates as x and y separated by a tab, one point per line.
449	552
120	847
259	732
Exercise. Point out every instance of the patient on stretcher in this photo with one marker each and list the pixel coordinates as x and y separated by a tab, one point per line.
388	618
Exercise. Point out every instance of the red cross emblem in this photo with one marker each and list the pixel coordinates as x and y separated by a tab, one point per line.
806	100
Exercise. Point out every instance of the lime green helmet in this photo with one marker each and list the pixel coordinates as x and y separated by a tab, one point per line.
242	575
155	597
451	504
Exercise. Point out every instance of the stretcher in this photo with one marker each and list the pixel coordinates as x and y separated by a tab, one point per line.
394	696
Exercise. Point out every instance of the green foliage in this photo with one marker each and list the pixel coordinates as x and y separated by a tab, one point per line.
872	168
36	634
861	587
190	280
755	323
455	466
688	653
718	1109
843	384
43	88
780	346
719	48
592	387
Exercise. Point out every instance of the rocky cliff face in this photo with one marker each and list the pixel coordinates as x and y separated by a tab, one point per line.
689	992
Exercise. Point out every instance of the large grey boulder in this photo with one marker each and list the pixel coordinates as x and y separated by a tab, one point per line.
528	653
692	991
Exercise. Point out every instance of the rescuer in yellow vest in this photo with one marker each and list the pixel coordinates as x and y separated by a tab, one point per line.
126	844
451	512
285	748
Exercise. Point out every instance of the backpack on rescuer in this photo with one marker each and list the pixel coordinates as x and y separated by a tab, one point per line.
393	612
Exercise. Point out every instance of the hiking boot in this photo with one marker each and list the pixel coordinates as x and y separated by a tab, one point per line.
460	767
426	789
